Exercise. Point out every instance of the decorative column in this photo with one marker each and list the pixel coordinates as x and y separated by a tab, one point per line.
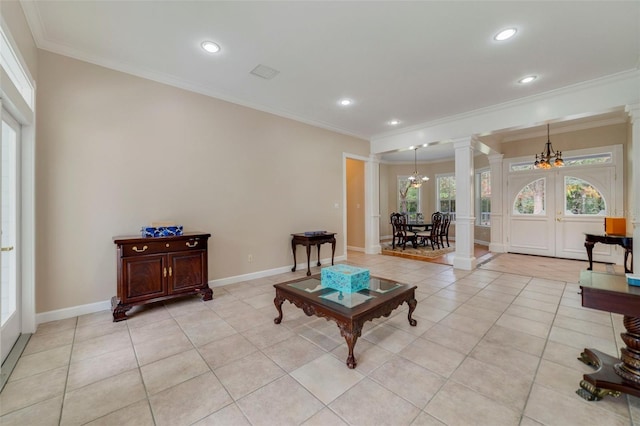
497	244
633	199
372	205
465	205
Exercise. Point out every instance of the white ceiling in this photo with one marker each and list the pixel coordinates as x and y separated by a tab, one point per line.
412	61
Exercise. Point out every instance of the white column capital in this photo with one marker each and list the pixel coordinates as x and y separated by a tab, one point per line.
495	158
634	112
466	142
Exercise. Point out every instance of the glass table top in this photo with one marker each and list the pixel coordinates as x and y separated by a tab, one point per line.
377	287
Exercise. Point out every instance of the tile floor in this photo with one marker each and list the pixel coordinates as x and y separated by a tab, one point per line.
493	346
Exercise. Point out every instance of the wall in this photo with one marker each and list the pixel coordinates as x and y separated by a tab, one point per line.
116	152
355	204
13	16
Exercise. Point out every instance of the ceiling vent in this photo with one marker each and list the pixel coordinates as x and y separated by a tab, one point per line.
265	72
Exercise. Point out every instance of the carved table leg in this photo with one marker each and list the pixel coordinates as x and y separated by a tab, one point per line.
318	254
333	249
293	249
614	376
412	307
589	246
278	301
308	259
206	292
351	332
119	310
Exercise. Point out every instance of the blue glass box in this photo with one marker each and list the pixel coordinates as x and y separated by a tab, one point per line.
345	278
161	231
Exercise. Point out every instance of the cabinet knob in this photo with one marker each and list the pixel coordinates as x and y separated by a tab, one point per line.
165	273
137	250
170	271
190	245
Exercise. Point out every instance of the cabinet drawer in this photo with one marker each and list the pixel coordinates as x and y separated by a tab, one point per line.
155	247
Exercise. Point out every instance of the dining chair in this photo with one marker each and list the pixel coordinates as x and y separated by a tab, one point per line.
401	231
432	235
444	229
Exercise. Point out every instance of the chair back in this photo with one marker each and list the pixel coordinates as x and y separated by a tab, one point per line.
436	223
444	227
399	223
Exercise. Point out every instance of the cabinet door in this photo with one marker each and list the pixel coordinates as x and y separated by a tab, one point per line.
187	271
144	277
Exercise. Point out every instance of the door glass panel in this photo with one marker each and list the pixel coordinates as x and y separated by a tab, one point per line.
8	222
582	198
531	199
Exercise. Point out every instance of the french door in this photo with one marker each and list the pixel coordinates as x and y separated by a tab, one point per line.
10	289
550	211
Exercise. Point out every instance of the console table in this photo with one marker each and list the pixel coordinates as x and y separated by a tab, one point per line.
625	242
153	269
611	293
309	240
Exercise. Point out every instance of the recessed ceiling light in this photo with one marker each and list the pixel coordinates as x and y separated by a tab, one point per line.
505	34
210	46
345	102
527	79
394	122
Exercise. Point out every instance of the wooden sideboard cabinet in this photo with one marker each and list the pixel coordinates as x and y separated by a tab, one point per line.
155	269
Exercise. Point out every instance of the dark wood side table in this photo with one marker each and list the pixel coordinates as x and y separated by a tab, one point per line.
308	240
590	240
611	293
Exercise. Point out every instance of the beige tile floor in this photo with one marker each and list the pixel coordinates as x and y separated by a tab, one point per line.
494	346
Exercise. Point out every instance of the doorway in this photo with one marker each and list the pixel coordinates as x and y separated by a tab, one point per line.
549	211
10	289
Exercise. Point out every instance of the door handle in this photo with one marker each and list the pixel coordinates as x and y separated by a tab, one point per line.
559	219
10	248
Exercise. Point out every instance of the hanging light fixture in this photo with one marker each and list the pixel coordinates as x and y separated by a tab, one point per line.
544	160
416	180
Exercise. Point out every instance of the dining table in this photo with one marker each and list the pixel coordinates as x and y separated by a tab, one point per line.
420	226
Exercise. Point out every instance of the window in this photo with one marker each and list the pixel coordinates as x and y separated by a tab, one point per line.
531	199
582	198
483	198
408	197
11	65
578	160
446	195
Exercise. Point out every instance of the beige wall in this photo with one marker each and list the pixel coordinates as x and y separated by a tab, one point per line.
13	16
355	203
116	152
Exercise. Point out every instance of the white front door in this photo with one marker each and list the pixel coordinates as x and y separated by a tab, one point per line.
10	290
549	211
531	220
583	198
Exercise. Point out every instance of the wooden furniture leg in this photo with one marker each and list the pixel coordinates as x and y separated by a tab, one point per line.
614	376
589	246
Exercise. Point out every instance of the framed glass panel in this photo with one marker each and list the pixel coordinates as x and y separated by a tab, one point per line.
582	198
531	199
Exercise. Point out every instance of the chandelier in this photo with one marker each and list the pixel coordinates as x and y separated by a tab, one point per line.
544	160
416	180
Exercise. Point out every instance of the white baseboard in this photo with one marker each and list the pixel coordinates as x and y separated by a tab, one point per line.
360	249
74	311
91	308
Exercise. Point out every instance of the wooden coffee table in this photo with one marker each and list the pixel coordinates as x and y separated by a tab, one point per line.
349	311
